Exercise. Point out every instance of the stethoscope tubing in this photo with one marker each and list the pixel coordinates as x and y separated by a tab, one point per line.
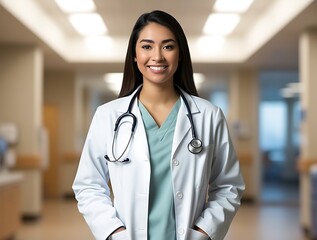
194	146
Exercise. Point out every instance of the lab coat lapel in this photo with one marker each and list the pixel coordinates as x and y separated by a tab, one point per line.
140	139
183	125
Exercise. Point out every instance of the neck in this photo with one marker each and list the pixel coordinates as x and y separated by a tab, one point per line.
154	94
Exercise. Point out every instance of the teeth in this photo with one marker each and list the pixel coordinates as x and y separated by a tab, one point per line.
157	68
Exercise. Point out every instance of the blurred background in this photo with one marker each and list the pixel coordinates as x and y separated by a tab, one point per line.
60	59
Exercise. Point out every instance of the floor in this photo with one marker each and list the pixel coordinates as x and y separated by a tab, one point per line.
273	219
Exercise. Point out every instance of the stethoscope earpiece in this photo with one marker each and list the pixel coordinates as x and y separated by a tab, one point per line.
195	146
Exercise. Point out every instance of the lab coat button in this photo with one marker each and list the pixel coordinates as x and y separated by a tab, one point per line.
179	195
181	231
175	162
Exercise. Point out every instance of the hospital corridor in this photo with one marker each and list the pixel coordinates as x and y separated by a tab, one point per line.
254	59
271	220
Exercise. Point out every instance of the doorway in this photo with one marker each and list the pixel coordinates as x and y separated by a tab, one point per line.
51	174
279	138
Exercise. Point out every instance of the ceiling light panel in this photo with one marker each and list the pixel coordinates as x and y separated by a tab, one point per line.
98	43
221	23
211	43
76	6
233	6
88	23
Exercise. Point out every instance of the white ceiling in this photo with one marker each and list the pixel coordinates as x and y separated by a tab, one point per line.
267	36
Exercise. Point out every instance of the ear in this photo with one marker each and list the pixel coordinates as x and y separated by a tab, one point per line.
135	59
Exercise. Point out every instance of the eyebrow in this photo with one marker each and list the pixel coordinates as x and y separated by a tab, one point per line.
151	41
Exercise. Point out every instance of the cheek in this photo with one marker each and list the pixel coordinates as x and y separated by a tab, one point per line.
138	64
175	59
141	66
176	62
140	58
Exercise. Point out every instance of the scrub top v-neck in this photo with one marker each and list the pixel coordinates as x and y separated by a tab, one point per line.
161	223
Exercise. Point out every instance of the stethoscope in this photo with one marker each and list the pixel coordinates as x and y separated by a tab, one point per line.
194	146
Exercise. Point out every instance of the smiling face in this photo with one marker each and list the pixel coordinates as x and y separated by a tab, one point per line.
157	54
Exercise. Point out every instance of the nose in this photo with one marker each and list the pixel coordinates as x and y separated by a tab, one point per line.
157	55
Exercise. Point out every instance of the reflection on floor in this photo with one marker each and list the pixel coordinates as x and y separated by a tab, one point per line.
60	220
264	221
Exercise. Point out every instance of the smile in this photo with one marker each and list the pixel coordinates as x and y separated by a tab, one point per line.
157	68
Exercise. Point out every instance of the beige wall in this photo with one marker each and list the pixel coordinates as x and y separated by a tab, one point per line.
21	93
308	158
243	120
308	74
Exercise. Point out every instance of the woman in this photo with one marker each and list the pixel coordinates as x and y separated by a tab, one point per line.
166	183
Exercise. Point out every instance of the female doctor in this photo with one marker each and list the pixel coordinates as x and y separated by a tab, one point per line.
166	152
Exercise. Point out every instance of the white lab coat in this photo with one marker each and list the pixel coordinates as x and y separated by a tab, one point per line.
207	186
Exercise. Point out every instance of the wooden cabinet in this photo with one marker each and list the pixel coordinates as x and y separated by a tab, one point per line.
10	208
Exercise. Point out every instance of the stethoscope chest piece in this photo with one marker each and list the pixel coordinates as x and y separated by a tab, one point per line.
195	146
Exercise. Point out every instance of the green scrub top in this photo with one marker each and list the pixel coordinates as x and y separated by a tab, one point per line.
161	218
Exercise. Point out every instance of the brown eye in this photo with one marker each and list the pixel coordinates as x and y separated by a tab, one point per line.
168	47
146	47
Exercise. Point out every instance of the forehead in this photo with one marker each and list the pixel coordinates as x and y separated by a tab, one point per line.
155	31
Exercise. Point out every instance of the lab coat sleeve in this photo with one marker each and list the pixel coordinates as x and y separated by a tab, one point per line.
226	184
90	185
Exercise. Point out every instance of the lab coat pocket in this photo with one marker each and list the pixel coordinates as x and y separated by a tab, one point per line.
119	236
195	235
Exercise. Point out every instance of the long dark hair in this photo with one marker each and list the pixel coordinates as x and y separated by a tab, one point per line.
183	77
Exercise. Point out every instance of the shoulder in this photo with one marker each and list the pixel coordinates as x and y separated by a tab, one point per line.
207	109
110	109
204	105
114	105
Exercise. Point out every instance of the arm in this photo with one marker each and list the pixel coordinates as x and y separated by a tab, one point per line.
90	185
225	184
